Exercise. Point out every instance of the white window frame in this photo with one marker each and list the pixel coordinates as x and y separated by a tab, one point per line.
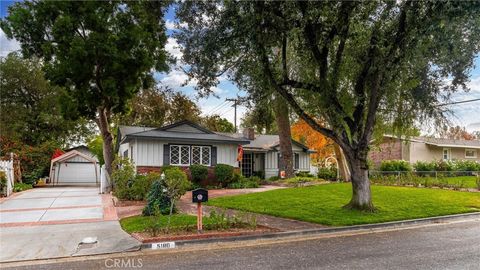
201	154
474	153
449	154
180	155
296	159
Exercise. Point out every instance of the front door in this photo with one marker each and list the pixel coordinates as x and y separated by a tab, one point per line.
247	164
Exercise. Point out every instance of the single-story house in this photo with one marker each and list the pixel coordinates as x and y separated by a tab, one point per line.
185	143
425	149
77	166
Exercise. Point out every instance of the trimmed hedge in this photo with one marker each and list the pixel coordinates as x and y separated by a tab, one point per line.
395	166
223	173
447	165
198	172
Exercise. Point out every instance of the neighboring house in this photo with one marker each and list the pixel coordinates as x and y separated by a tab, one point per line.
77	166
425	149
185	143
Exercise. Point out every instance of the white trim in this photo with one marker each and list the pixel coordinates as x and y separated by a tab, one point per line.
449	154
180	155
201	154
474	151
454	146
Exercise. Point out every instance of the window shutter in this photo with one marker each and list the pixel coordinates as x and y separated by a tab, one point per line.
214	156
166	154
278	161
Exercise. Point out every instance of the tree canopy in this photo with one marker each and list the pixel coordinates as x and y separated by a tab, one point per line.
101	52
347	64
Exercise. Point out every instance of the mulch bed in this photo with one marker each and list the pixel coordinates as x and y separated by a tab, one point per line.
182	235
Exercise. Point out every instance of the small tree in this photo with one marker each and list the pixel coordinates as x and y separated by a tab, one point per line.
157	199
176	184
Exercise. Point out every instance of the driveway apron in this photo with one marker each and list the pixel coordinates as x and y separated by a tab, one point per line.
45	223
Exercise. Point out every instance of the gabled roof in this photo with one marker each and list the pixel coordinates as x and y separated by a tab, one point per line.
71	154
188	123
171	132
125	130
440	142
265	142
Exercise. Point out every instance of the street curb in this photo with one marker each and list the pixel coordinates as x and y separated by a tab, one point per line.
279	235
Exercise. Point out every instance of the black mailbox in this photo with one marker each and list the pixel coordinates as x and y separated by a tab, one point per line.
200	195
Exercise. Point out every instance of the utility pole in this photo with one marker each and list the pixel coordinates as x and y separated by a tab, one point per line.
235	103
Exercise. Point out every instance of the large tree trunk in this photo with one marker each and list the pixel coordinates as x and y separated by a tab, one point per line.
103	125
361	193
342	163
285	136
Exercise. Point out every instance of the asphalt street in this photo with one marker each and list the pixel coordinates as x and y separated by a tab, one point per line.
448	246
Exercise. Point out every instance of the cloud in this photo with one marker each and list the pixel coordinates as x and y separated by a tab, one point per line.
7	46
172	25
173	48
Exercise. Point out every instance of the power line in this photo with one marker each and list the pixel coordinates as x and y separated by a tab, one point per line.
235	103
459	102
216	109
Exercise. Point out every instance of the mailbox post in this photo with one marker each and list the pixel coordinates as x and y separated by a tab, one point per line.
199	195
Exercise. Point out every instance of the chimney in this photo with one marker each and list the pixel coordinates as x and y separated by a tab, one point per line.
249	133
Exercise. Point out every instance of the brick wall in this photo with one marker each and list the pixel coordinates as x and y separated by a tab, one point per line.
389	149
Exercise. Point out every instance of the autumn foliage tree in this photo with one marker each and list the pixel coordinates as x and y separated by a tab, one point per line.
305	134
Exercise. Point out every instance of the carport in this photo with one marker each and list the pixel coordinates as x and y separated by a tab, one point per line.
74	168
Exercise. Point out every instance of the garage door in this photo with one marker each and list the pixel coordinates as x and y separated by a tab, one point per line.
77	174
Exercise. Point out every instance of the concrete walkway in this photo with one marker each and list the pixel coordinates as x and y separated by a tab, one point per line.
46	223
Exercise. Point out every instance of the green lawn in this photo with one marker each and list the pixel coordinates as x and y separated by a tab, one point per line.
181	222
467	181
139	223
323	204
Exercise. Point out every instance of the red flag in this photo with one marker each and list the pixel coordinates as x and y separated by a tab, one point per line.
240	153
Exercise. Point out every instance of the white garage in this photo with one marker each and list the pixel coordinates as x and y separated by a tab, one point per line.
75	167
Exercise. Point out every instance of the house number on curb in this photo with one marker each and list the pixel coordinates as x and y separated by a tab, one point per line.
163	245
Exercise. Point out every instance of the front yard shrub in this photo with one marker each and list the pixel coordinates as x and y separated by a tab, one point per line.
176	184
306	174
21	187
198	172
127	185
243	182
444	165
123	176
142	184
259	174
298	181
327	173
224	173
157	199
3	182
273	179
395	166
467	166
423	166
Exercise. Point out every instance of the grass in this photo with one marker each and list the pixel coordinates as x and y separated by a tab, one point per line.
450	181
216	220
323	204
140	223
468	181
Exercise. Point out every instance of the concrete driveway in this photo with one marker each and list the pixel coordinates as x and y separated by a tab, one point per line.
52	222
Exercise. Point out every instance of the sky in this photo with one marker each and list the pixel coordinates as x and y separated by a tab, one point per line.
465	115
